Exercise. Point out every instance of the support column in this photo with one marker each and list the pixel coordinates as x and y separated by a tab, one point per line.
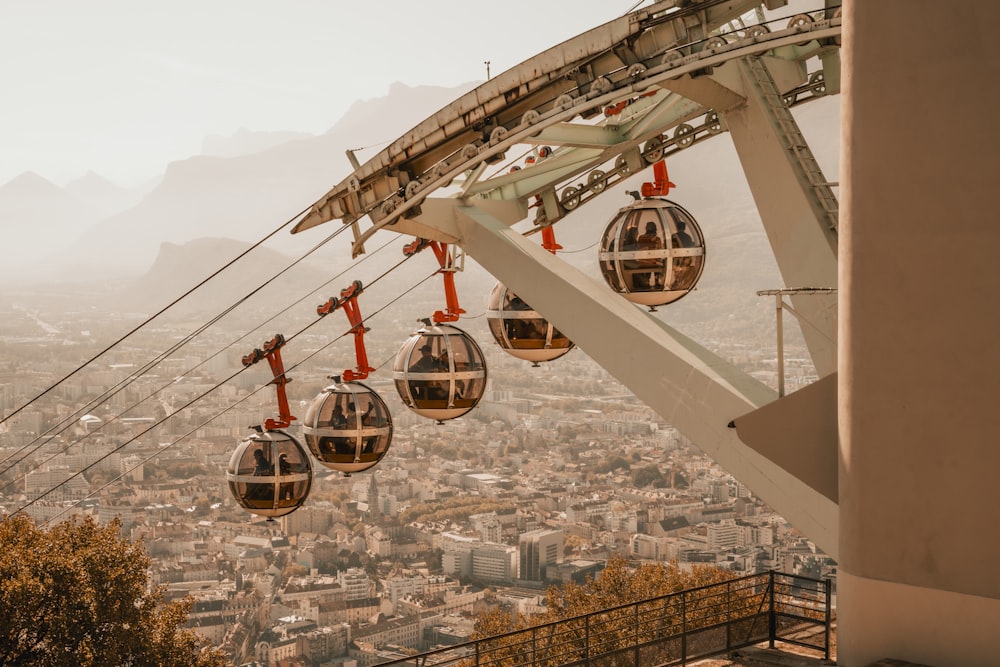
919	314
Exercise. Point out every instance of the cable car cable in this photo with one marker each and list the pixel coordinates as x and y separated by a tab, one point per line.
238	402
70	420
584	249
149	458
219	384
173	348
154	316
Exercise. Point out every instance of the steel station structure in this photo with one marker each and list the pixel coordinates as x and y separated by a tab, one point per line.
605	105
886	462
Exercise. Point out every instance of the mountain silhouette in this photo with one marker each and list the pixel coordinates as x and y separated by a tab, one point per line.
179	268
246	142
103	196
243	197
38	218
208	209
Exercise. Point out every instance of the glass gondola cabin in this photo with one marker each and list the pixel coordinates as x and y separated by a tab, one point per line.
440	372
652	252
269	474
521	331
348	427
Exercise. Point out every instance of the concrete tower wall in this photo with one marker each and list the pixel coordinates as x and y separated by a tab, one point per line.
919	362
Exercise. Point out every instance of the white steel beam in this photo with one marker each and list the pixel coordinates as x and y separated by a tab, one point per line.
689	386
805	249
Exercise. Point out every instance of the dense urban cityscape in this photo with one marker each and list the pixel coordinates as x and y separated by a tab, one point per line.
556	470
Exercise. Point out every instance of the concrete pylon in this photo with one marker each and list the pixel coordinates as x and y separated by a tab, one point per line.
919	362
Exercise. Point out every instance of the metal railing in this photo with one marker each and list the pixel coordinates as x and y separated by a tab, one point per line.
666	630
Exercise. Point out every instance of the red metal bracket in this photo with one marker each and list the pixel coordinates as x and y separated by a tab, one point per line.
549	240
618	107
447	271
661	188
415	246
272	352
348	301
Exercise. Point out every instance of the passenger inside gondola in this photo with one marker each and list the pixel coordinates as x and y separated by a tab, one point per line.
683	266
427	389
285	468
649	240
337	418
262	467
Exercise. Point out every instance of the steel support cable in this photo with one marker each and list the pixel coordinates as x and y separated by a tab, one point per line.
225	410
70	420
155	315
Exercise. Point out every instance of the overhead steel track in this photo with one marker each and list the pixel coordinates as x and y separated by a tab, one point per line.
611	102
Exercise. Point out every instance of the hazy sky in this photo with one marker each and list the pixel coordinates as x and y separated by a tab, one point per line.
122	87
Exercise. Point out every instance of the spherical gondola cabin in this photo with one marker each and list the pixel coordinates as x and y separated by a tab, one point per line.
652	252
440	372
348	427
521	331
270	474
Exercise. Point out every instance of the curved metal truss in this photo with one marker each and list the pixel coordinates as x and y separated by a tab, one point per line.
606	104
630	62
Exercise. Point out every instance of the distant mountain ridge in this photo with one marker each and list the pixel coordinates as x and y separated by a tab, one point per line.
36	214
206	206
246	142
243	197
104	196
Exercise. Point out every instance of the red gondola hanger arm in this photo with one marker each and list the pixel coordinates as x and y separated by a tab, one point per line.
549	239
661	186
272	352
446	260
348	301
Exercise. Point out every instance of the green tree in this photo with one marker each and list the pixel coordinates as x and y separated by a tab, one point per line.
76	594
612	464
649	476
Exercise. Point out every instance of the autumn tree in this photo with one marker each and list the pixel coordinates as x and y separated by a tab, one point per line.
77	594
613	625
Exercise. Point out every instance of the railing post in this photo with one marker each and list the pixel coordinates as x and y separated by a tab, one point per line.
772	621
477	653
729	615
586	639
684	628
635	637
827	590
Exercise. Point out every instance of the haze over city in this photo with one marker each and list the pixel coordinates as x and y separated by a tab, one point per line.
215	142
123	89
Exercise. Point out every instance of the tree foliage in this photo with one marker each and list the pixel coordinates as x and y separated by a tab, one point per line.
174	469
610	626
451	509
76	594
620	584
649	476
612	464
